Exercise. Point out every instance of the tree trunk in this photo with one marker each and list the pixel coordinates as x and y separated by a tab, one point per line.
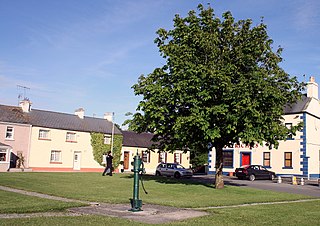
219	183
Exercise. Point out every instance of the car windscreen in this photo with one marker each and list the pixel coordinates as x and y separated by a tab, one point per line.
179	167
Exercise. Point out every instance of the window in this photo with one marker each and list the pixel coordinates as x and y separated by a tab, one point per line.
228	159
146	156
288	159
55	156
177	158
3	155
107	139
266	159
162	157
71	137
44	134
9	133
290	136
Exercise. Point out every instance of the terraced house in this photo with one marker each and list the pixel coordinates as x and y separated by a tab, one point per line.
299	155
41	140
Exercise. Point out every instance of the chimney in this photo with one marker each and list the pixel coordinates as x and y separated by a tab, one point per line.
312	88
25	104
79	112
108	116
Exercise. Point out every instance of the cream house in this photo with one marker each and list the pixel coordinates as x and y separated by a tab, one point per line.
298	155
51	141
138	143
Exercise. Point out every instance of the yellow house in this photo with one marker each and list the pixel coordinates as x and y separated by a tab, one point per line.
134	143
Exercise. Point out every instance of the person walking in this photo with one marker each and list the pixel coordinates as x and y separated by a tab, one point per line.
108	169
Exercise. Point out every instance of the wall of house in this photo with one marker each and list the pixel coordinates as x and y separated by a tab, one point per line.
150	166
20	141
304	147
40	153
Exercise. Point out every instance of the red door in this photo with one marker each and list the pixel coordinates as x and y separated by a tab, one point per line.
245	159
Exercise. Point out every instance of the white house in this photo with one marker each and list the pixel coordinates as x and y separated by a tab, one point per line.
299	155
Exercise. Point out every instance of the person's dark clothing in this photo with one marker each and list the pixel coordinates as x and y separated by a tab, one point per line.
108	169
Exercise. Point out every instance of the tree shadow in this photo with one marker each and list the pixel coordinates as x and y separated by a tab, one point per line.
170	180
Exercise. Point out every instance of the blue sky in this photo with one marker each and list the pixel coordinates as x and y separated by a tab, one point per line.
88	53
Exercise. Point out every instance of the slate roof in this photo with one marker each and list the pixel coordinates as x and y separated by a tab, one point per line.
133	139
56	120
298	107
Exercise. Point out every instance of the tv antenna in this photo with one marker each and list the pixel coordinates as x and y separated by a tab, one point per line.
22	90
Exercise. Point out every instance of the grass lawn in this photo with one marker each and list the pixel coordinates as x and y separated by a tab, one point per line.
16	203
118	189
166	191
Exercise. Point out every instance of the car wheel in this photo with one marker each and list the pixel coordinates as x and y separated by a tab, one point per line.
252	177
272	177
158	173
177	175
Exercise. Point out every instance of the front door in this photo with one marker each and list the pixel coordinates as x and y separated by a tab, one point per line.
77	160
126	160
245	159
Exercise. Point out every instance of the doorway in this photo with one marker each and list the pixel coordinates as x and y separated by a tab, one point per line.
77	160
245	158
126	157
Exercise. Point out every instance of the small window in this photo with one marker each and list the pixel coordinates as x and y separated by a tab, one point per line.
71	137
177	157
55	156
9	133
290	136
3	155
162	157
146	156
44	134
228	159
266	159
288	159
107	139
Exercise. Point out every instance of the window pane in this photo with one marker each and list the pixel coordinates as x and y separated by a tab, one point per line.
228	158
107	139
43	134
55	156
9	132
71	136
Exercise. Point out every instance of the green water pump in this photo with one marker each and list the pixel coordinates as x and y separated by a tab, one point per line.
138	169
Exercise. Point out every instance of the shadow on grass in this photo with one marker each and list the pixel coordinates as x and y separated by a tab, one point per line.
205	181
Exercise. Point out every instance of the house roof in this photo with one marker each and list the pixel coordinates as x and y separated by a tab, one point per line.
4	145
56	120
133	139
298	107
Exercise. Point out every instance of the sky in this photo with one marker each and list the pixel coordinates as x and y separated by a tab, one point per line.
89	53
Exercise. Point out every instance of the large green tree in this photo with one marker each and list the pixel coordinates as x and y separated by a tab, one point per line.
221	84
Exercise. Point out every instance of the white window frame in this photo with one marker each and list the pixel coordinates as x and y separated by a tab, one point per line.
107	139
177	158
146	156
10	133
162	157
55	156
44	134
71	137
6	155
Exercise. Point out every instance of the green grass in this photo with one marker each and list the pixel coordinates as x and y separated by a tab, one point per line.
292	214
118	189
16	203
166	191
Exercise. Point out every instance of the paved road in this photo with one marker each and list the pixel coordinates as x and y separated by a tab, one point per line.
310	188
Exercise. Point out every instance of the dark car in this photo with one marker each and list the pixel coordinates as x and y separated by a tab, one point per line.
173	169
253	172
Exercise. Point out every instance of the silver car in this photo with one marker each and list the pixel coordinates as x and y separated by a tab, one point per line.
173	170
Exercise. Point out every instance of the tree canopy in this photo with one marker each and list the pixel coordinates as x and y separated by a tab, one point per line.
221	84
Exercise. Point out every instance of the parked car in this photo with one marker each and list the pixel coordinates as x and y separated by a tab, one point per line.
253	172
173	170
